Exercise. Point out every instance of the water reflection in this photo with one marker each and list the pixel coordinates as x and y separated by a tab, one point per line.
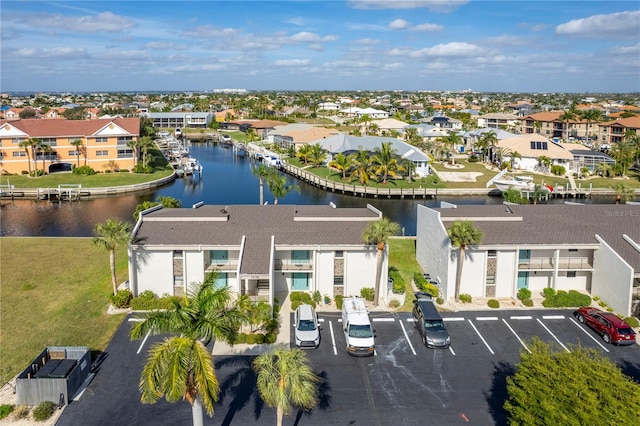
226	180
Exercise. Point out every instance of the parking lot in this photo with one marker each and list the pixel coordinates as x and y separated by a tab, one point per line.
404	383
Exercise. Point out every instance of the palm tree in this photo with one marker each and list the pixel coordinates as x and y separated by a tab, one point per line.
77	144
539	193
303	153
590	115
109	235
604	169
263	172
279	187
545	161
181	368
341	162
410	167
378	232
285	380
566	117
384	162
361	164
29	147
623	193
514	155
486	142
463	234
165	201
625	154
451	141
317	154
633	138
145	145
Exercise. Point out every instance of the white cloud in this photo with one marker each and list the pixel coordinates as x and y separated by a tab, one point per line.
57	52
165	45
459	49
398	24
305	36
426	27
292	62
209	31
299	21
367	41
622	25
628	50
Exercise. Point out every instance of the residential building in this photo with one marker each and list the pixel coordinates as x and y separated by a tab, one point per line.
589	248
256	250
443	122
106	144
498	121
531	147
180	120
361	112
298	134
614	131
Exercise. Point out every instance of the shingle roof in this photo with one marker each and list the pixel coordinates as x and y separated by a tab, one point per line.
555	225
293	225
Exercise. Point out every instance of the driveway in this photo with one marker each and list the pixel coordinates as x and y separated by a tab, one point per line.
404	383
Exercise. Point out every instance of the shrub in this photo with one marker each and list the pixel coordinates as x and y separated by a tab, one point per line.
399	284
83	170
327	299
632	321
465	298
548	291
5	410
596	298
524	293
122	299
260	338
423	285
317	297
272	325
493	303
270	338
299	298
562	299
24	172
43	411
251	339
368	293
339	298
394	304
139	168
473	158
241	338
21	412
527	302
439	300
558	170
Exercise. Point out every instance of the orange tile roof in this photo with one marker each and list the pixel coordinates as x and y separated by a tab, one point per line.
60	127
545	116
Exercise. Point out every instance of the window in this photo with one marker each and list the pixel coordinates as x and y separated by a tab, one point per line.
124	140
102	153
219	257
177	254
73	152
17	140
339	254
102	140
125	153
300	256
49	141
19	154
539	145
492	253
571	274
573	250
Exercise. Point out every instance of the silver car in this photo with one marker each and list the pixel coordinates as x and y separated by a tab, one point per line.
307	328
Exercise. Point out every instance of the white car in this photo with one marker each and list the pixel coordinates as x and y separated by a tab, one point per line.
307	328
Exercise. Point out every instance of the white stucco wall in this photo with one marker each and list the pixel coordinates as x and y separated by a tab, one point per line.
473	272
193	268
324	272
432	249
154	271
360	271
612	278
538	281
579	282
506	275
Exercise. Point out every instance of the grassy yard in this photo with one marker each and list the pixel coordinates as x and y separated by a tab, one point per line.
55	291
159	164
402	258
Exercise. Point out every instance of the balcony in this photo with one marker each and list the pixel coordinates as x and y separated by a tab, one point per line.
288	265
548	263
229	266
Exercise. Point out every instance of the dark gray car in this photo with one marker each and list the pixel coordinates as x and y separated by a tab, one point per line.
429	322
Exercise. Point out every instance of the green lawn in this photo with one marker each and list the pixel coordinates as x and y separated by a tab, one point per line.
402	257
55	291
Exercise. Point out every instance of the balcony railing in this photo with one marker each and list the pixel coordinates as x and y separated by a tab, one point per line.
230	265
549	263
290	265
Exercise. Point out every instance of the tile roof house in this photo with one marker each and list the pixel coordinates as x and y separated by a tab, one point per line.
590	248
614	131
257	250
105	143
530	147
298	134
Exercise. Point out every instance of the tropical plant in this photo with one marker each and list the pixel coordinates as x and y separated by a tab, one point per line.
624	153
279	186
539	193
604	169
263	172
590	116
463	234
512	160
451	142
304	152
377	233
317	154
623	193
486	142
77	144
410	167
361	164
109	235
513	195
29	146
285	380
163	200
567	116
384	162
544	161
146	143
341	162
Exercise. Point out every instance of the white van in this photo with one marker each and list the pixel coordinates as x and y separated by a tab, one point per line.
356	324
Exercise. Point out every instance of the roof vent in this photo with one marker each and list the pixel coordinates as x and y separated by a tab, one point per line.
198	204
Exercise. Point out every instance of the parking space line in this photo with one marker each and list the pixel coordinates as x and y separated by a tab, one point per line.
481	338
143	340
590	336
407	337
521	317
451	350
321	319
486	318
383	319
553	335
333	338
453	319
515	334
553	317
411	320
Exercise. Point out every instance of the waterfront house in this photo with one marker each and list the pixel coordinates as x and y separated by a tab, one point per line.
613	132
257	250
106	143
590	248
180	120
531	147
498	121
298	134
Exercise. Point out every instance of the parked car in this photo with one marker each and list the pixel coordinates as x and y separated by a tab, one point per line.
608	325
429	322
307	328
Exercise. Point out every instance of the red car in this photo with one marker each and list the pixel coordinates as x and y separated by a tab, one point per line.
608	325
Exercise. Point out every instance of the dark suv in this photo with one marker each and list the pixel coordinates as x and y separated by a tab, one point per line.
608	325
429	322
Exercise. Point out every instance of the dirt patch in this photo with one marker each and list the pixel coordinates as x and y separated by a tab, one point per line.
459	176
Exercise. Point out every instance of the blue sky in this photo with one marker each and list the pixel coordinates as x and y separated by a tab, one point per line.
525	46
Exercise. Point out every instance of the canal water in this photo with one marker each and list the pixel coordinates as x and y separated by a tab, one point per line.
226	180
